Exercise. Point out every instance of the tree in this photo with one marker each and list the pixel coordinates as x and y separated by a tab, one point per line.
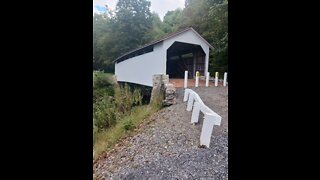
100	29
210	19
117	32
157	27
172	20
218	34
195	15
133	23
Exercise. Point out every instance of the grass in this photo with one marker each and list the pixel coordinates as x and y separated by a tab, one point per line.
108	75
105	75
117	112
105	140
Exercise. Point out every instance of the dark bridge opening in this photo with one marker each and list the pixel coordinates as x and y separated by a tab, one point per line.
185	57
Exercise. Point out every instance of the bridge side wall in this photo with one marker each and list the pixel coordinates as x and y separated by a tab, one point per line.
140	69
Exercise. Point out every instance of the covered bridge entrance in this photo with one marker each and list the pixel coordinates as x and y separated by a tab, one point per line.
185	57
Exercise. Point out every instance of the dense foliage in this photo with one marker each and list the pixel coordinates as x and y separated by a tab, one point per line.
111	102
117	110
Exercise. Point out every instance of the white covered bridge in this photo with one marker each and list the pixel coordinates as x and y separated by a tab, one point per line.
181	51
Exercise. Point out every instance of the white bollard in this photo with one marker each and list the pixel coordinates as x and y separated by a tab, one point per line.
195	112
225	79
216	79
197	81
207	79
197	78
185	79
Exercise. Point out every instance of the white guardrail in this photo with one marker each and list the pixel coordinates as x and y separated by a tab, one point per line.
210	117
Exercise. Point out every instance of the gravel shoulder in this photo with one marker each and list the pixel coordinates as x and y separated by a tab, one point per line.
167	145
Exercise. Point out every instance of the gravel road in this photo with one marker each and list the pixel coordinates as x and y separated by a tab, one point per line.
167	145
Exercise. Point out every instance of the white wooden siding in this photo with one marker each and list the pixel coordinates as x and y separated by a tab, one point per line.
140	69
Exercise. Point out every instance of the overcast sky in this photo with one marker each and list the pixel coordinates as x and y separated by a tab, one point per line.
158	6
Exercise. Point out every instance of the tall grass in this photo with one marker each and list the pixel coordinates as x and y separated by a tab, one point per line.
102	85
107	110
116	111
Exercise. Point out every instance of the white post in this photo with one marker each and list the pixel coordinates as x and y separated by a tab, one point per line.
216	79
197	78
206	132
207	80
225	79
185	79
190	102
197	81
186	95
195	112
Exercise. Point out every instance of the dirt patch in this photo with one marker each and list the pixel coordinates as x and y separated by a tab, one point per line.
179	83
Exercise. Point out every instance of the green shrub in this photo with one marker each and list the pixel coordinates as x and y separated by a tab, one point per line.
137	97
107	109
104	113
101	80
125	98
102	92
122	99
157	101
128	124
103	86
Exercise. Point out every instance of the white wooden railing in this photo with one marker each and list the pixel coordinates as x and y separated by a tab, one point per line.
210	117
